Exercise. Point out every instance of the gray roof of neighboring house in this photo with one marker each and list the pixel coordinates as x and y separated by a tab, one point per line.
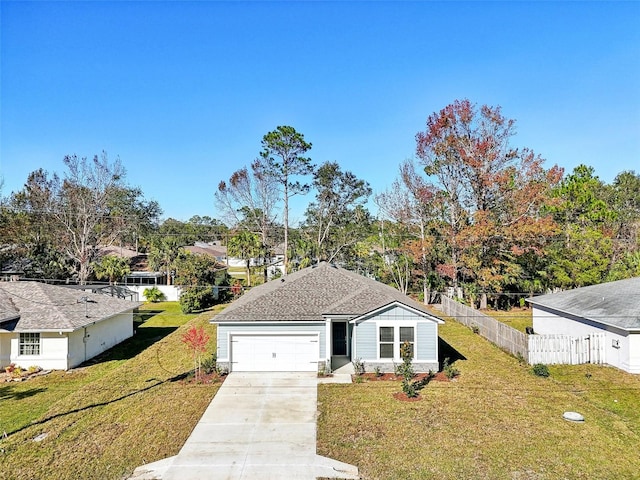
8	311
311	293
44	307
613	303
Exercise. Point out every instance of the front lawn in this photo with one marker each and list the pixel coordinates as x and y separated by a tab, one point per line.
102	420
497	420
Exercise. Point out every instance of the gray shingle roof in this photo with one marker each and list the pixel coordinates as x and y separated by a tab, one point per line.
310	293
8	310
613	303
45	307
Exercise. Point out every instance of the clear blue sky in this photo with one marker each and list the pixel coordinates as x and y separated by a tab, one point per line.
183	92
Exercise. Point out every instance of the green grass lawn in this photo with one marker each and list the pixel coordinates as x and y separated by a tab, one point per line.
104	419
496	421
518	318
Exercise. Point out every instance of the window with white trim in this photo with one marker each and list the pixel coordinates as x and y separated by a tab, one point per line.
407	335
386	342
392	338
29	343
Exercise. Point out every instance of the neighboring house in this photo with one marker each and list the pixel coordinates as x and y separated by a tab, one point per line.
304	320
611	308
59	328
214	249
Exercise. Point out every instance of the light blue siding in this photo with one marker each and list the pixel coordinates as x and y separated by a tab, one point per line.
397	313
223	333
427	341
366	344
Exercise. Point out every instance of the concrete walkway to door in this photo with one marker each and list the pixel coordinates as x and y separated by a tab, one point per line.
258	426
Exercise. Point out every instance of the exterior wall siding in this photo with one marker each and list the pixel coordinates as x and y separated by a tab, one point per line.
365	341
5	349
53	352
427	340
619	344
67	350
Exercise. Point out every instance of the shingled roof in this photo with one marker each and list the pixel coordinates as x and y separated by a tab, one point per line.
612	303
43	307
311	294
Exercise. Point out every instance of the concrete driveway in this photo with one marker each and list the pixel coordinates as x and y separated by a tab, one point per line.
258	426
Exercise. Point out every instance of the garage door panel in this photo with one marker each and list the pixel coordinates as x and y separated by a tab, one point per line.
276	353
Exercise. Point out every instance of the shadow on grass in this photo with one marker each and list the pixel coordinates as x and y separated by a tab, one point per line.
7	393
447	351
142	316
157	383
142	339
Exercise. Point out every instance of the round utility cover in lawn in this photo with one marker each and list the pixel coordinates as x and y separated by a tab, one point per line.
573	417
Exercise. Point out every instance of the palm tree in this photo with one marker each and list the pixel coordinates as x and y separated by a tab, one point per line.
112	267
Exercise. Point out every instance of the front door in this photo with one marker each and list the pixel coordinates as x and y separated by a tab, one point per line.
339	338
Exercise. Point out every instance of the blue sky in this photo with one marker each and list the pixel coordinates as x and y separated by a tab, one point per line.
183	92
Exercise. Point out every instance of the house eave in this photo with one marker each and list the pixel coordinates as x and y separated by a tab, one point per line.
396	303
583	317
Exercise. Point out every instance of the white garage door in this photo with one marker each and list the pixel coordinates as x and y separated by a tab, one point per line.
274	353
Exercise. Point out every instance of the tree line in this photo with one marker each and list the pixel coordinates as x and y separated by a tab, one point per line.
470	212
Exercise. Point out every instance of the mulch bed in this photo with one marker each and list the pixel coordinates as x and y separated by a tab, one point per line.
392	377
204	379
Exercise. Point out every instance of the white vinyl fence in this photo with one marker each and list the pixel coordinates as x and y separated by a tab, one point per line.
565	349
548	349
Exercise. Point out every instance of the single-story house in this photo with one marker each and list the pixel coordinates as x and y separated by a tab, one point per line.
303	321
56	327
611	308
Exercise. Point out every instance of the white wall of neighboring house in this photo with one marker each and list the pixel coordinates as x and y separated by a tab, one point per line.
622	348
64	350
171	292
94	339
53	352
5	349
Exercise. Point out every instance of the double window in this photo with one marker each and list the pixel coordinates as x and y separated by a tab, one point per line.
392	339
29	344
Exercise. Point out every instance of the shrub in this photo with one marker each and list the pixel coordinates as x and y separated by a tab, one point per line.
409	388
196	299
358	366
475	328
449	370
377	371
209	364
153	294
540	370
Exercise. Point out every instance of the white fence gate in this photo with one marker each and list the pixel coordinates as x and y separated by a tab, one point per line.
565	349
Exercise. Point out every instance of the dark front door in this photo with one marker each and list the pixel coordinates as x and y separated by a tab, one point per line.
339	338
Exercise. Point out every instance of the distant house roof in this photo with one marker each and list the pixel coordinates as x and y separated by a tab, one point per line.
613	303
8	311
43	307
213	251
118	251
312	294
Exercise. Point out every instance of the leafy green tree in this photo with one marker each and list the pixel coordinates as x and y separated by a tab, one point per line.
247	246
283	151
338	196
90	207
583	254
198	275
112	268
489	194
